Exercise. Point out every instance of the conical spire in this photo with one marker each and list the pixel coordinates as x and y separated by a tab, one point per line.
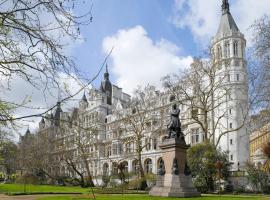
227	24
84	97
57	114
42	120
225	7
27	131
106	74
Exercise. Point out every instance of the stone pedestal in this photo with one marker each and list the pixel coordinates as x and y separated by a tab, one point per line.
173	184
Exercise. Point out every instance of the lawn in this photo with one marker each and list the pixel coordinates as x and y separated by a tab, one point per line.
147	197
19	188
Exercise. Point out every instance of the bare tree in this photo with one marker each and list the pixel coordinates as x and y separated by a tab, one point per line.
78	142
33	37
259	65
143	115
204	89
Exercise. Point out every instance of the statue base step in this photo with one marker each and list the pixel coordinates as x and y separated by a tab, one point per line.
171	185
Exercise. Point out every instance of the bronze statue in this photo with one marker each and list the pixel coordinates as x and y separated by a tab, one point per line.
174	127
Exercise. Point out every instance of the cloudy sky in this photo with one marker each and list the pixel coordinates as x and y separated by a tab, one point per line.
155	37
151	38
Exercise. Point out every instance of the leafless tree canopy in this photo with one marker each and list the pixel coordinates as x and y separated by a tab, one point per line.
33	40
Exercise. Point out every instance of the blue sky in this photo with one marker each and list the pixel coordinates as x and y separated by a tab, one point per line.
109	16
151	38
167	34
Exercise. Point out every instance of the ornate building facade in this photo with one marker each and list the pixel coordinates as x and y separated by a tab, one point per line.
109	143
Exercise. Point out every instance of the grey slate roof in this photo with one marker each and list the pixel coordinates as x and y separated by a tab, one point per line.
227	26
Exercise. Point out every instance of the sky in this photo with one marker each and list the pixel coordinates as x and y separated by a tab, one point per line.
155	37
150	38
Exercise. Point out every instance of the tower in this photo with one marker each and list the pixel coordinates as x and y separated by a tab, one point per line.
83	102
57	115
106	87
228	51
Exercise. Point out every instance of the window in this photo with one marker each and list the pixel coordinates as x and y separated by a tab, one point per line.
120	149
114	149
195	136
147	144
230	111
231	125
219	52
109	151
231	157
128	147
194	113
172	98
148	166
154	143
227	50
237	77
229	77
231	141
235	48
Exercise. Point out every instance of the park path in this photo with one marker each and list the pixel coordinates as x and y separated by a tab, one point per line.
23	197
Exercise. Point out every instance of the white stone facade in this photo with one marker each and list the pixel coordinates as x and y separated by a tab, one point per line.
228	49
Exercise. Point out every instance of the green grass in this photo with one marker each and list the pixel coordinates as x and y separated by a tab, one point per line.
19	188
147	197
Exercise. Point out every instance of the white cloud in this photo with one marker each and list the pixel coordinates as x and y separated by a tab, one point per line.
203	18
138	60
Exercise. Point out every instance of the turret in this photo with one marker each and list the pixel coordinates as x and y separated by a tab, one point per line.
106	87
83	102
228	50
57	115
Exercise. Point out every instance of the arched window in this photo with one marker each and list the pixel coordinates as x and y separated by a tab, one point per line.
219	52
135	166
235	48
172	98
148	166
227	50
124	166
114	168
105	169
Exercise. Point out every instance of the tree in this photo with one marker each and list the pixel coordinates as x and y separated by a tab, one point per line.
8	154
259	66
202	159
35	156
266	151
33	35
204	90
76	145
144	115
257	177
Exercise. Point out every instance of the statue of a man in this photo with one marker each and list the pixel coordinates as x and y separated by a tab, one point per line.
174	127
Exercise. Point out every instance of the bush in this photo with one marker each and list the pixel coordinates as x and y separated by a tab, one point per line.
105	180
229	187
200	184
266	189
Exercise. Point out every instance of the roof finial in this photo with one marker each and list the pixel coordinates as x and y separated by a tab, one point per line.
106	74
107	68
225	7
